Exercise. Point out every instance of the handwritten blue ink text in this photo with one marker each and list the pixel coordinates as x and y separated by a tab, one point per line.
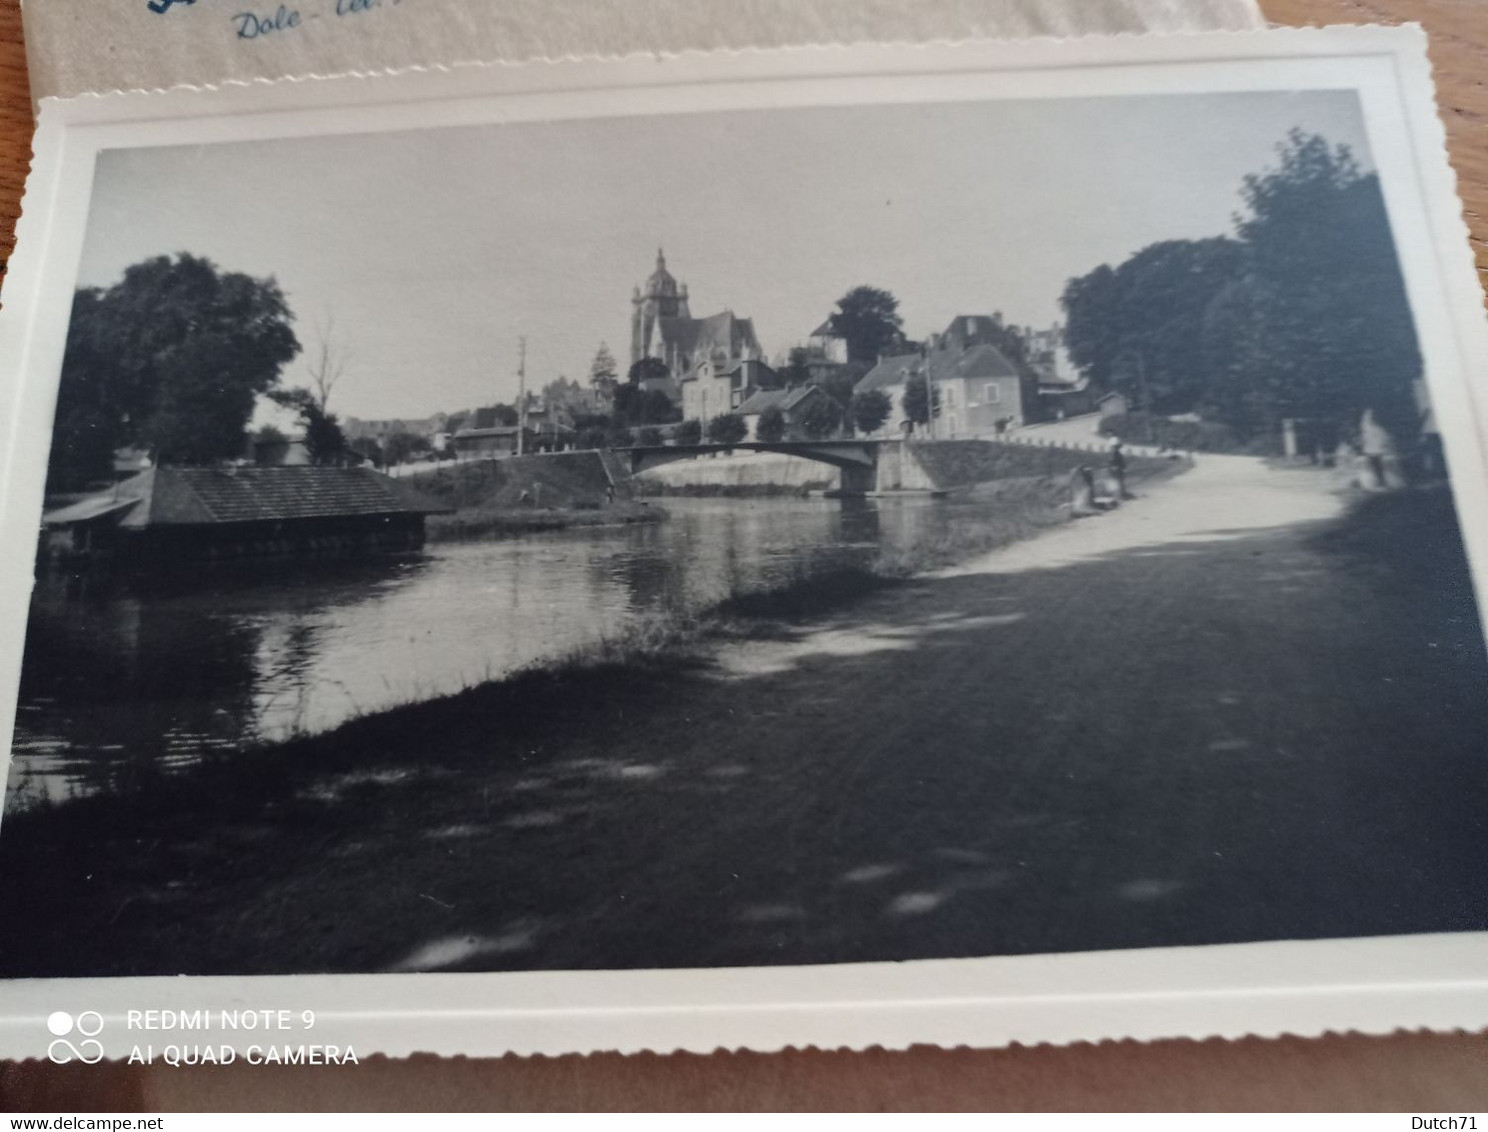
251	25
351	7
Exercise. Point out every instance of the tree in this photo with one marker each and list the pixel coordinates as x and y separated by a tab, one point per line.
649	437
797	369
658	408
1331	333
869	410
368	448
820	417
1302	314
647	369
637	406
323	438
840	383
567	399
604	373
329	363
1139	329
689	432
727	428
770	428
404	446
1092	316
171	359
627	402
916	401
268	434
868	319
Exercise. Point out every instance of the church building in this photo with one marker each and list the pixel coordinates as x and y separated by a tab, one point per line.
662	327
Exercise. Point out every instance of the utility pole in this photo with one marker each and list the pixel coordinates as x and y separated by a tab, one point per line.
929	396
929	389
522	395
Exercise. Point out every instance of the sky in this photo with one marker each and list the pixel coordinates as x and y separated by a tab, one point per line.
435	250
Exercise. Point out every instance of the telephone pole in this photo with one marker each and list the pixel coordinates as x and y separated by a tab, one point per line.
522	395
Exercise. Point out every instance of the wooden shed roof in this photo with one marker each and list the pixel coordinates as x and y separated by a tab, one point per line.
203	496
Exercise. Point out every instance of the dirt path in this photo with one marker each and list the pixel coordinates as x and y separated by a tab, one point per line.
1239	495
1220	498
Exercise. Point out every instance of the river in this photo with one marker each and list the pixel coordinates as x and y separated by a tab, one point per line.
124	681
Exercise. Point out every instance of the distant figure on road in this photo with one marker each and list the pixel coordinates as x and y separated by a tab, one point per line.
1082	493
1117	465
1381	459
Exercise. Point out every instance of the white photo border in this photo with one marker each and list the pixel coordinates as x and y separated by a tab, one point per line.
1372	985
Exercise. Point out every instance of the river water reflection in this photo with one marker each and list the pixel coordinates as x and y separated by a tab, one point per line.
122	681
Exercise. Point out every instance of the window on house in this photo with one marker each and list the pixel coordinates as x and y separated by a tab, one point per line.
991	393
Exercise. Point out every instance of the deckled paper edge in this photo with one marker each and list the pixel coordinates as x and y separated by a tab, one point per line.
698	53
1254	14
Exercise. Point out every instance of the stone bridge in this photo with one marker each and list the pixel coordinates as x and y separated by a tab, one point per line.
867	466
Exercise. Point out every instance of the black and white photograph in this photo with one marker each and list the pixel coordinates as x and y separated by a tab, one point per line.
738	538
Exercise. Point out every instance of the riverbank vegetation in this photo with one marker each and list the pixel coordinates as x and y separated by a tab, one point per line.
522	494
484	522
658	488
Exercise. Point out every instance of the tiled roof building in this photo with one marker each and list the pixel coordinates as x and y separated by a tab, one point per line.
981	392
182	514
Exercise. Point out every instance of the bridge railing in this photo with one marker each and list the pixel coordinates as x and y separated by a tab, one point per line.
1034	441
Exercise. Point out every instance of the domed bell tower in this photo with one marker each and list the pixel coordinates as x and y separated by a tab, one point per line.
662	297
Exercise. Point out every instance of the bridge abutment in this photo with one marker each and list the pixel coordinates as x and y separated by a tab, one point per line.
898	469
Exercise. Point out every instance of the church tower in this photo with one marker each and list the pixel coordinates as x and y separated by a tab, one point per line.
662	297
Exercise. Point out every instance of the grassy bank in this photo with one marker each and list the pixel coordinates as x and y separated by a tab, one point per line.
484	522
655	488
524	494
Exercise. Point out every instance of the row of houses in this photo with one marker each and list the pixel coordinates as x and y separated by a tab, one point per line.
979	391
715	365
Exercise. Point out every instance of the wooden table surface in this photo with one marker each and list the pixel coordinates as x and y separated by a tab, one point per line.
1418	1072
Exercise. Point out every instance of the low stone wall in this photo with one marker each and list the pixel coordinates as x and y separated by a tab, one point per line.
558	479
910	466
959	463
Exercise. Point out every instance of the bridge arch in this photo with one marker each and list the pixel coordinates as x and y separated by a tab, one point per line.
857	459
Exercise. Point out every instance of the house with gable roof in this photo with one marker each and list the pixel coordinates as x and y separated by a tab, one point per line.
713	389
980	391
792	404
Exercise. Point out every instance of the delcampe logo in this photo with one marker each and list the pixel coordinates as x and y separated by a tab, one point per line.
87	1025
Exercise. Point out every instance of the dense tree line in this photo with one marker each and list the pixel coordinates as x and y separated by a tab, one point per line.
171	359
1300	313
